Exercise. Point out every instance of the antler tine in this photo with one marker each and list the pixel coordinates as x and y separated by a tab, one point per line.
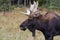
34	2
37	4
32	6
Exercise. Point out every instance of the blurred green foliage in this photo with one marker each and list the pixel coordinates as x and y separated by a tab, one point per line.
41	2
5	5
51	4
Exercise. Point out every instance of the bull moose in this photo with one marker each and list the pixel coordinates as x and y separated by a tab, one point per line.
48	24
49	28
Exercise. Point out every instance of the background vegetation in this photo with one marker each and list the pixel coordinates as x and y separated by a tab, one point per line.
8	5
10	21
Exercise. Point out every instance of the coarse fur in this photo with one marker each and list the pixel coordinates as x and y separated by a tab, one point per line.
49	24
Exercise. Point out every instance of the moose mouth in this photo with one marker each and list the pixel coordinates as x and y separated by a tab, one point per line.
23	29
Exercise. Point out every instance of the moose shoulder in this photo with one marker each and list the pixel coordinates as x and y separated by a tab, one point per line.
49	16
52	19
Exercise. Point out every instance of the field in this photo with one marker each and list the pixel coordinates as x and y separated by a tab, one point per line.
9	27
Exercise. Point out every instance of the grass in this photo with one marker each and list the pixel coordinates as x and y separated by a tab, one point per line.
9	27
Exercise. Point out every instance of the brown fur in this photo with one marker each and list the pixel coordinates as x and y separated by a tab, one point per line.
48	16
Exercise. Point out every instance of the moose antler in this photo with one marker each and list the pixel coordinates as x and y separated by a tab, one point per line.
33	8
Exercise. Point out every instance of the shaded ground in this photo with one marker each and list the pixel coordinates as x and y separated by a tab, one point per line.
9	27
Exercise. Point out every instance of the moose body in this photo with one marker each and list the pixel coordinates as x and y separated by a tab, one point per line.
49	25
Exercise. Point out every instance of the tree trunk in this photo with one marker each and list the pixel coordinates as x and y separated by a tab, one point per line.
46	2
18	3
9	5
24	2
